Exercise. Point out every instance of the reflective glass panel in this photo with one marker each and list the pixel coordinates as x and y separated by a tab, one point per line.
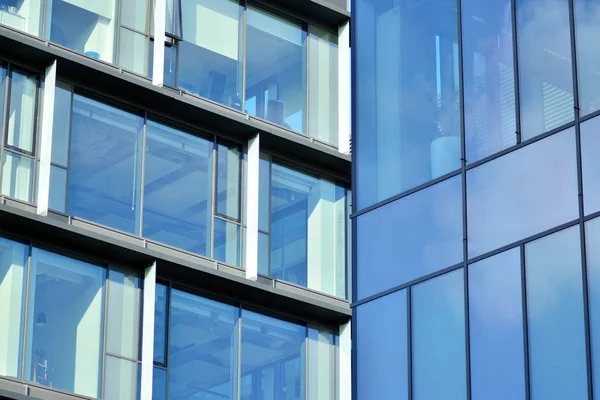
409	238
382	348
273	359
406	96
321	363
58	189
62	124
177	189
545	70
133	51
2	93
228	181
323	85
592	239
160	324
522	193
13	274
134	14
124	300
159	383
590	163
24	15
496	328
86	26
64	323
202	348
105	165
227	242
276	70
587	24
21	112
488	77
264	190
438	338
211	53
17	176
120	379
557	350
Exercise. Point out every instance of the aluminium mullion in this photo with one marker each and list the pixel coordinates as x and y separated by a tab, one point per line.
35	145
306	76
142	174
515	48
4	125
213	196
69	140
25	313
239	354
104	334
408	341
244	53
525	322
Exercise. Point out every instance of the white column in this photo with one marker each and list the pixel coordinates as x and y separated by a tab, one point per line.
158	63
43	194
148	332
344	93
252	208
345	362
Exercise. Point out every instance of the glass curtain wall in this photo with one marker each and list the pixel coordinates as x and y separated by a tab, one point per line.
587	24
23	15
134	36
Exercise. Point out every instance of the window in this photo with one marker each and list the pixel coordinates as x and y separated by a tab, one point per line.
522	193
61	131
24	15
409	238
545	70
322	346
592	238
490	111
587	23
134	36
590	143
20	128
407	95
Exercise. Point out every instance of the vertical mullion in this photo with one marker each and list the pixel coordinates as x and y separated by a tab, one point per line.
215	176
244	41
104	335
409	340
4	126
525	323
143	174
70	135
25	314
585	283
239	355
305	27
270	160
513	6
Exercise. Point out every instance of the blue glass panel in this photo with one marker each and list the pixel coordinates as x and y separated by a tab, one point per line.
264	190
2	92
13	273
488	77
105	165
211	50
382	348
496	328
64	324
228	181
273	359
409	238
557	354
545	70
160	324
590	163
592	239
202	348
62	125
438	338
406	96
58	189
276	70
227	242
177	189
522	193
587	23
159	383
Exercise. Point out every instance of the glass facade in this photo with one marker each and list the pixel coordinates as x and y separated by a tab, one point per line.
485	272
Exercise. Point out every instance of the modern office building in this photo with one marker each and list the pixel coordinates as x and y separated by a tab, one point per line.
175	200
477	199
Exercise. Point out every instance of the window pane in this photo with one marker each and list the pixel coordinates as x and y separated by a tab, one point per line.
21	114
381	346
276	69
64	327
160	324
592	239
273	358
2	92
264	193
134	14
323	85
210	54
590	145
228	182
17	176
407	95
22	15
321	362
123	313
120	379
13	272
522	193
438	338
203	348
422	233
170	65
177	189
159	383
133	51
488	77
557	354
587	18
227	242
105	165
58	189
86	26
173	17
545	71
62	124
496	326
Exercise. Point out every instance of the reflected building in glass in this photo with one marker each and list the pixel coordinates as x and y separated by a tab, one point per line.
175	199
475	210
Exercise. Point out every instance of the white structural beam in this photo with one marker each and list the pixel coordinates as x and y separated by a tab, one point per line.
252	208
148	332
345	362
43	193
344	92
158	63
